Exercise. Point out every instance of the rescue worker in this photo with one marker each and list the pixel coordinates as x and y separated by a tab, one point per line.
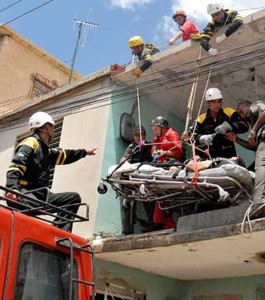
255	114
167	139
168	146
220	18
30	169
211	127
143	51
135	152
186	26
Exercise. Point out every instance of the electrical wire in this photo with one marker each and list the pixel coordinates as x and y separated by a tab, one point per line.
75	106
166	79
11	5
179	79
26	13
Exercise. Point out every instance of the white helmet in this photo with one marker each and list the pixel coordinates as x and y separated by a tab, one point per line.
214	8
38	119
213	94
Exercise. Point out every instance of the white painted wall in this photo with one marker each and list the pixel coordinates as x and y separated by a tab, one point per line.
83	130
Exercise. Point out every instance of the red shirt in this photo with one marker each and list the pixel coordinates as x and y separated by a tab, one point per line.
187	28
170	136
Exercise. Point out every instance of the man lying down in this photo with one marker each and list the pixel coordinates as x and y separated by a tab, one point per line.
220	178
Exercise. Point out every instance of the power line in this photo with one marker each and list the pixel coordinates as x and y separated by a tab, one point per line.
12	4
184	79
176	76
67	109
27	12
166	81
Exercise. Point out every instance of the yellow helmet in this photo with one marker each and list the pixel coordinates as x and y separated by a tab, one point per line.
135	41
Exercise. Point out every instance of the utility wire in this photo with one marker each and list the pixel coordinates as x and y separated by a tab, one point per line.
72	109
12	4
129	93
26	13
177	79
166	76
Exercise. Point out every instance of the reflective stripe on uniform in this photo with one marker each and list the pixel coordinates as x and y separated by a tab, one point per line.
23	182
201	118
238	18
228	111
31	142
61	158
15	169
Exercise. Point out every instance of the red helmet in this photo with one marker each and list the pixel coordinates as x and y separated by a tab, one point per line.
179	12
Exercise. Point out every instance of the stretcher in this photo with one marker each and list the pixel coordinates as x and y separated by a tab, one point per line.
173	186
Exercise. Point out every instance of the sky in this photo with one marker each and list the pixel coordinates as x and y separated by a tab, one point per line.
52	26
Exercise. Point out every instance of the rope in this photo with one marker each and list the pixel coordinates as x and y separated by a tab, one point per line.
194	180
193	93
138	104
139	112
202	100
246	223
161	143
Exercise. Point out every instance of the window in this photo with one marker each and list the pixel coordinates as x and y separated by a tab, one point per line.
102	296
41	85
54	143
43	274
120	294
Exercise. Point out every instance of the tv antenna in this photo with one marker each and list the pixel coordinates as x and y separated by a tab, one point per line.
83	27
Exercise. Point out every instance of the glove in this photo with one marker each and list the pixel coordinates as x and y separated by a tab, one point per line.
223	128
157	154
206	139
137	72
12	197
219	39
213	51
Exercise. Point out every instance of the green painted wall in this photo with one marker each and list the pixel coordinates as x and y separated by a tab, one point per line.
156	287
246	286
162	288
108	220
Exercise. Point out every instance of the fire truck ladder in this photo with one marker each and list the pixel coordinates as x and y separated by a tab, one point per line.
31	206
68	243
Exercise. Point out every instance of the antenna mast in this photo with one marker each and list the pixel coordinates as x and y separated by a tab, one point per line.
81	24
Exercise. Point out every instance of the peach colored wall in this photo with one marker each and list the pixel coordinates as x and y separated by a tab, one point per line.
18	61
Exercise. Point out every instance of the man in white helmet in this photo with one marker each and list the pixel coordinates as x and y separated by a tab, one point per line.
220	18
31	164
143	51
211	127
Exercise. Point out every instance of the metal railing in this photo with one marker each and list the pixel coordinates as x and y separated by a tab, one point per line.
39	209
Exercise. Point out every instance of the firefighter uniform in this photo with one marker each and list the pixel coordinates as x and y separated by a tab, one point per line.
231	17
30	170
136	154
205	125
146	56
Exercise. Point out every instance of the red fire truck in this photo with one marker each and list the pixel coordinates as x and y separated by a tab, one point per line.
39	261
